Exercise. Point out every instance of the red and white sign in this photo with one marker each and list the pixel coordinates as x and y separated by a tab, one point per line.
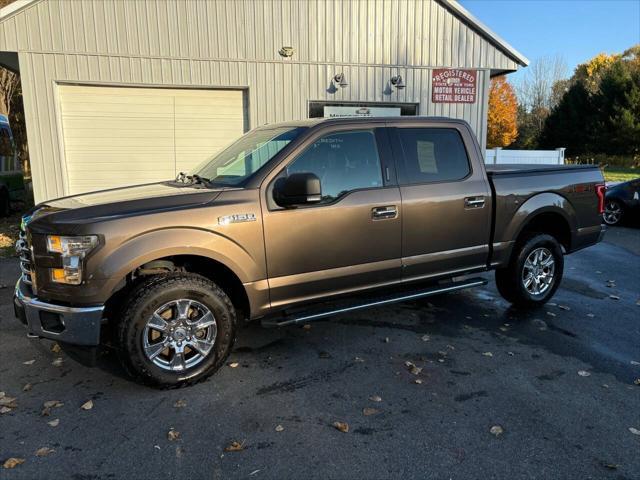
454	85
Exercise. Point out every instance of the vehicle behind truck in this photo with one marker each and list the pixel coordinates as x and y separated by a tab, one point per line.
294	222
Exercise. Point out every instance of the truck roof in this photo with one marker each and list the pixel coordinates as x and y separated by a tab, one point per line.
312	122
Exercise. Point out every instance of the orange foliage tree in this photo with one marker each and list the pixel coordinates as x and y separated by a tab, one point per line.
502	128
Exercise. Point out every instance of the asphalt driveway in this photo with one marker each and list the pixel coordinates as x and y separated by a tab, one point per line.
559	384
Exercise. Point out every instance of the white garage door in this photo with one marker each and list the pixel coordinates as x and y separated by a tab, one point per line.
115	136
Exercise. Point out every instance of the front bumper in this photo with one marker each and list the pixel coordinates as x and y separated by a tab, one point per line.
72	325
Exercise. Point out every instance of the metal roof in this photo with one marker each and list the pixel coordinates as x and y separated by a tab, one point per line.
452	5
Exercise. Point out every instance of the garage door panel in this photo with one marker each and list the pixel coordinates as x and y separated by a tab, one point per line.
121	136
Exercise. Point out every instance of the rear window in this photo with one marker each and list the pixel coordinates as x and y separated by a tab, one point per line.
433	155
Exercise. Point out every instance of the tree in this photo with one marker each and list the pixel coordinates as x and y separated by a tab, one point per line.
503	111
600	111
538	93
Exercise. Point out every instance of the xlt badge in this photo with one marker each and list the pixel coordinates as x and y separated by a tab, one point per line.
237	218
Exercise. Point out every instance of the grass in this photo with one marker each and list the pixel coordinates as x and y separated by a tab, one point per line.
9	230
620	174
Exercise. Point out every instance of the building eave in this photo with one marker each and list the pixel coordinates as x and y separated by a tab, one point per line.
466	16
15	7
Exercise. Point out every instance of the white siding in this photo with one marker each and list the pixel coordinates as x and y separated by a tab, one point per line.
235	43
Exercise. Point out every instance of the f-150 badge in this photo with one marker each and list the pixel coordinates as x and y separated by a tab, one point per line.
237	218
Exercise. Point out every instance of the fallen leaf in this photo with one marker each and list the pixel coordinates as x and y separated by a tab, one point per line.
29	362
306	326
375	398
583	373
27	387
324	355
425	338
638	302
44	451
54	423
637	381
55	348
368	411
279	428
590	315
88	405
342	426
551	304
563	307
635	431
234	364
386	339
180	403
57	362
358	360
409	364
254	472
13	462
235	447
610	466
4	410
10	402
487	354
173	435
52	404
418	381
633	362
504	329
551	314
415	370
496	430
614	297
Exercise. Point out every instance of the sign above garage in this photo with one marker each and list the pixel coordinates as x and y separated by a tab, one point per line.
454	85
355	111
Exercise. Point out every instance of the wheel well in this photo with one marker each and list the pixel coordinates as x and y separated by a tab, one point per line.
550	223
215	271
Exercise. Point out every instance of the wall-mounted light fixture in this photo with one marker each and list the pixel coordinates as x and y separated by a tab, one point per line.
397	82
286	52
340	80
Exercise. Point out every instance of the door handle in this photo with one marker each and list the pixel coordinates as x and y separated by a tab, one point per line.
474	202
382	213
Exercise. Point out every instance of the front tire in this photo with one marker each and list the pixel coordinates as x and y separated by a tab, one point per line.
534	271
613	212
176	330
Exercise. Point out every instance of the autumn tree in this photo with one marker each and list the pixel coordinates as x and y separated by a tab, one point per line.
502	127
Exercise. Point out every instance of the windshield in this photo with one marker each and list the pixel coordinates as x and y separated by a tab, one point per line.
246	155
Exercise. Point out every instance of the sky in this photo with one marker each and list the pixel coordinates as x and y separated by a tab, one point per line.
577	30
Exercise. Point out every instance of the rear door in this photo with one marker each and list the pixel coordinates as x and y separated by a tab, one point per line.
446	202
348	241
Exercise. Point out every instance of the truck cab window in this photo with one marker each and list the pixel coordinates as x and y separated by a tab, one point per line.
433	155
343	162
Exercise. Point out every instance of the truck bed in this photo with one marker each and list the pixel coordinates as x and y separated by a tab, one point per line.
522	168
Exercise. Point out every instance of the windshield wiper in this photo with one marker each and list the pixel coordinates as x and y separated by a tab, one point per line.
192	179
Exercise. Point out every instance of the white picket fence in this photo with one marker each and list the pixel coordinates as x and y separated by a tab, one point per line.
497	155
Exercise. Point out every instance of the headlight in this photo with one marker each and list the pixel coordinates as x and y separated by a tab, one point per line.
72	251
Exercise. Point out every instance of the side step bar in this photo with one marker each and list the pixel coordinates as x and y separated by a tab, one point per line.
306	316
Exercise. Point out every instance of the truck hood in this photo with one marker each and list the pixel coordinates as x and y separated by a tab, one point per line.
117	202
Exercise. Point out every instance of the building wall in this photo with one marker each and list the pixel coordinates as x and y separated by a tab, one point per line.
235	44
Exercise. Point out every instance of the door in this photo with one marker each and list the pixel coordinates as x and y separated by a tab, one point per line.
351	239
446	203
117	136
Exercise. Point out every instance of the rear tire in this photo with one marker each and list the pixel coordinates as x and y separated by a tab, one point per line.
613	212
534	271
176	330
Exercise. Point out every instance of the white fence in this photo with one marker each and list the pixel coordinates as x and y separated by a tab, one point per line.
543	157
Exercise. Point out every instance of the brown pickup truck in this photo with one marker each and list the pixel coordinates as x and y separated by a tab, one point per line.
291	223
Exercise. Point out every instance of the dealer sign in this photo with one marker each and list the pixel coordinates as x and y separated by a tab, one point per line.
454	85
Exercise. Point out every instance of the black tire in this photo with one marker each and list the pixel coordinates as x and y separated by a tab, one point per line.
510	281
145	299
5	205
613	213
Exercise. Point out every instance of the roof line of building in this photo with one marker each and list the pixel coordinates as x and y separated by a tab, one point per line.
485	31
452	5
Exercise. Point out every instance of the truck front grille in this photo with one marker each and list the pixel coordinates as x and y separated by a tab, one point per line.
23	249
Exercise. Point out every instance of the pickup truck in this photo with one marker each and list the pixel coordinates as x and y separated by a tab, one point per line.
294	222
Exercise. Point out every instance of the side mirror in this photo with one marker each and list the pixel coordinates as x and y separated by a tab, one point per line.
297	189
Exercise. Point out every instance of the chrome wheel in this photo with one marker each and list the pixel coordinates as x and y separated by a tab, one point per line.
538	271
612	212
179	335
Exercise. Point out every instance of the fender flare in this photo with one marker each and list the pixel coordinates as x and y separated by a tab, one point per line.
538	204
157	244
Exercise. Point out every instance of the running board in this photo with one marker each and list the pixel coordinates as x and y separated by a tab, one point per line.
303	317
